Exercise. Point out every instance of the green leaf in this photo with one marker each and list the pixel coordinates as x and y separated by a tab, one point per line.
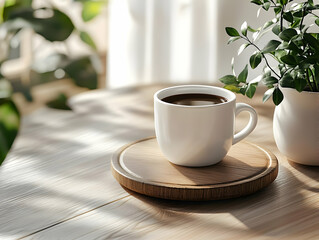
60	102
314	7
292	72
268	24
232	66
298	13
300	84
279	54
277	10
310	8
243	89
233	39
292	46
304	65
283	2
268	94
258	12
283	45
251	89
232	88
288	16
271	46
287	81
277	96
82	72
250	29
229	80
13	6
276	29
266	71
281	68
60	22
310	59
289	59
85	37
296	23
232	32
9	3
310	2
243	28
9	126
266	6
242	77
313	42
317	21
255	60
242	48
287	34
258	2
270	81
315	35
91	9
55	27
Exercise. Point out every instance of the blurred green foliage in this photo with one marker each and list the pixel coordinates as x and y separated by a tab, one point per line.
9	125
59	103
53	25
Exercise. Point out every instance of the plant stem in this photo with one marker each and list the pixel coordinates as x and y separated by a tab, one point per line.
308	81
273	3
314	81
263	55
303	16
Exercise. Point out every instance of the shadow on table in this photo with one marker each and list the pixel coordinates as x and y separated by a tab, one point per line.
272	211
311	172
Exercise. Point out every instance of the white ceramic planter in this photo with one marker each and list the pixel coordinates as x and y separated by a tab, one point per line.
296	126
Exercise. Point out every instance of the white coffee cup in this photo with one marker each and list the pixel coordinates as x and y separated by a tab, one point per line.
197	136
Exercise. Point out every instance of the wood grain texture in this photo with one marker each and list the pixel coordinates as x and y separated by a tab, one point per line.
59	166
142	168
56	182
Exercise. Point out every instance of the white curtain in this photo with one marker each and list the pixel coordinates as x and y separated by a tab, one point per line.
153	41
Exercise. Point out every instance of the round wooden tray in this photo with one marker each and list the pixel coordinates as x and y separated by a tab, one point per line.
142	168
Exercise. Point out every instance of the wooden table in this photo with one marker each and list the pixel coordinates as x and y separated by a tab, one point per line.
56	182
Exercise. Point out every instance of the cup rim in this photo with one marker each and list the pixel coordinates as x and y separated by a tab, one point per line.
230	99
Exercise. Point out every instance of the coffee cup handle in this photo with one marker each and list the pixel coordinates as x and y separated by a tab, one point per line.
251	124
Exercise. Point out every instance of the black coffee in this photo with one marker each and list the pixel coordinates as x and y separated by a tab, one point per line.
194	99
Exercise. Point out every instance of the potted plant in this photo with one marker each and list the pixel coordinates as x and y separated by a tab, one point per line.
293	82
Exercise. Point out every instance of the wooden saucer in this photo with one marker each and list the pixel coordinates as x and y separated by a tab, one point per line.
142	168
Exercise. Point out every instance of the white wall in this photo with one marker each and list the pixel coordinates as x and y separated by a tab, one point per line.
175	40
234	13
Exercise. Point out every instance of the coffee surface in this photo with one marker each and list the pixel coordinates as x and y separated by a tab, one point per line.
194	99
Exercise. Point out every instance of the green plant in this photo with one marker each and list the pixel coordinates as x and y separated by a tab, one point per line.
9	119
53	26
294	47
